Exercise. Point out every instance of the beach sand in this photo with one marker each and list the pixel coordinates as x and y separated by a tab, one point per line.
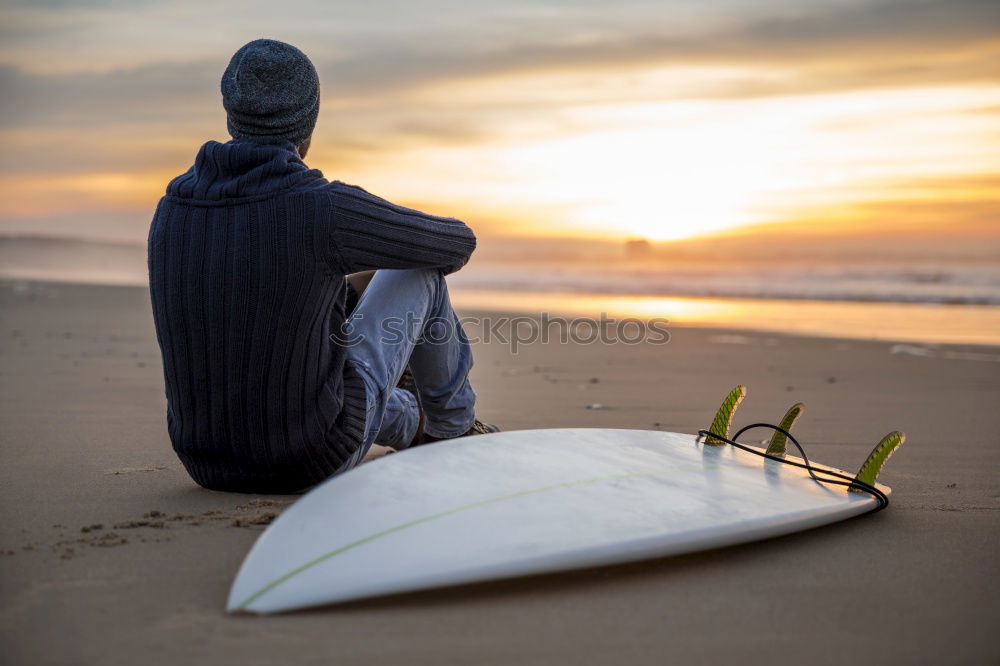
84	445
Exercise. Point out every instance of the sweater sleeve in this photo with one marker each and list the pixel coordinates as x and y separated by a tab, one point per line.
371	233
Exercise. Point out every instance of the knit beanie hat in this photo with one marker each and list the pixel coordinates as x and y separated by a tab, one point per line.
270	90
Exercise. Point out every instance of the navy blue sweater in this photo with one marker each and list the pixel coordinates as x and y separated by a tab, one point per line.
248	253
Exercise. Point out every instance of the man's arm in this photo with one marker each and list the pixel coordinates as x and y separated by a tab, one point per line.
371	233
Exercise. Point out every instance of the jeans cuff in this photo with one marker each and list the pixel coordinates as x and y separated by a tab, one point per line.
447	432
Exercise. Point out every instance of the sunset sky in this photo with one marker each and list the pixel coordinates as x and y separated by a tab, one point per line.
659	119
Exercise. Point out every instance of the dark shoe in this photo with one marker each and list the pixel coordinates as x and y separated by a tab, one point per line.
406	381
478	428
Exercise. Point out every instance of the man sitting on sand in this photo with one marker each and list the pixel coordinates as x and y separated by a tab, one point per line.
250	260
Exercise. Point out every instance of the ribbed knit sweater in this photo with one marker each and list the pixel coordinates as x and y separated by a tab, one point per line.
248	253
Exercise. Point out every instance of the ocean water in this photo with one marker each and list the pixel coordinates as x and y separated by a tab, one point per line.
965	283
919	293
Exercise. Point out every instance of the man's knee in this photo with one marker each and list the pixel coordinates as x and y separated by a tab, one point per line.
430	279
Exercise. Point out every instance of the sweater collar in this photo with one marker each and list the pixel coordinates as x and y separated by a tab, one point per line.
242	168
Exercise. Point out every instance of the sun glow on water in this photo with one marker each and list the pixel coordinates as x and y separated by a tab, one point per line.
917	322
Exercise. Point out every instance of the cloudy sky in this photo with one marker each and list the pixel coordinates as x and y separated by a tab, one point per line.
663	119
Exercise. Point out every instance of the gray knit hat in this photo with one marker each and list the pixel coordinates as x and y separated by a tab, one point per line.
270	91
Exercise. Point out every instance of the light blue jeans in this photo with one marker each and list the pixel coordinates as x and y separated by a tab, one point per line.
404	317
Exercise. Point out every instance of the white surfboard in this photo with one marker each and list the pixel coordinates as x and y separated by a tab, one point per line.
525	502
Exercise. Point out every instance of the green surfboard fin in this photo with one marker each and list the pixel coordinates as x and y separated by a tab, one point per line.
724	417
873	465
776	447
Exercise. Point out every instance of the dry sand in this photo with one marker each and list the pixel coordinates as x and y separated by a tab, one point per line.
112	555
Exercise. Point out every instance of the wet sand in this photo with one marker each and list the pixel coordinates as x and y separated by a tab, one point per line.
110	554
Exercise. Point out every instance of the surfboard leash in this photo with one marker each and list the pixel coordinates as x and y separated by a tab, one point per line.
838	479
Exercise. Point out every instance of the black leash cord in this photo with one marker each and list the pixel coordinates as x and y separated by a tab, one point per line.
837	479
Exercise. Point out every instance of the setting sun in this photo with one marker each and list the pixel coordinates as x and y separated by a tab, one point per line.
671	170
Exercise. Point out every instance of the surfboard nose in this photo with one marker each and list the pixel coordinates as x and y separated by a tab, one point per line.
239	592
